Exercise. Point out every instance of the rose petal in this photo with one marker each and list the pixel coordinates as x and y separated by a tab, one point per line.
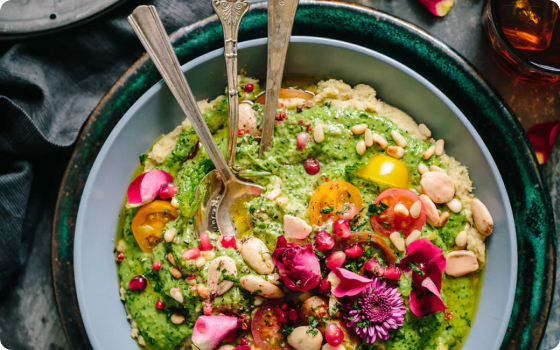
297	266
346	283
542	137
423	303
425	253
210	330
145	187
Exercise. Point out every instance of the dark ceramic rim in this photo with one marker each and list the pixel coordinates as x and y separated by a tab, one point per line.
512	50
408	44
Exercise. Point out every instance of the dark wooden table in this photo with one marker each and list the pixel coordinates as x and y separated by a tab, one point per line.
28	314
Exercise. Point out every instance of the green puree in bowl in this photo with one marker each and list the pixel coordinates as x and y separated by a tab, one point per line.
282	166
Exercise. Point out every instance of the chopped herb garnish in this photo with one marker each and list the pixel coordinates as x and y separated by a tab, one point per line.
327	210
376	209
414	267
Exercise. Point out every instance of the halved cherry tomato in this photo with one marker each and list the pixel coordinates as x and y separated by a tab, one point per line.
266	327
370	238
148	223
332	199
385	170
287	93
388	221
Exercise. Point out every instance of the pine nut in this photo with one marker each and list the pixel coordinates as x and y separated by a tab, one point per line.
282	201
424	130
368	138
415	209
461	239
175	272
423	168
258	301
191	282
208	255
395	151
171	259
398	138
455	205
174	203
401	210
429	152
361	147
177	319
440	147
318	133
170	234
397	240
438	169
275	193
175	293
200	261
202	291
380	140
413	236
359	129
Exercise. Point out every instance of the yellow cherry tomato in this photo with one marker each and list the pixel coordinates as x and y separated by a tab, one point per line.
386	171
334	199
148	223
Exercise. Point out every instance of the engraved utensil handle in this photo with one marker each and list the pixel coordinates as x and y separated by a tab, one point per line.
149	29
230	13
281	14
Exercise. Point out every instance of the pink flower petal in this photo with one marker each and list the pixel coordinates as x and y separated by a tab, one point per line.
145	187
542	137
210	330
346	283
298	267
423	303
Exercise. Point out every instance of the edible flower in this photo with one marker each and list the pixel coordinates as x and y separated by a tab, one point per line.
210	330
346	283
427	263
542	137
298	267
146	187
375	310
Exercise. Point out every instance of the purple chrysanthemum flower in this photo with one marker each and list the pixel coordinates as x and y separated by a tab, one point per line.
375	310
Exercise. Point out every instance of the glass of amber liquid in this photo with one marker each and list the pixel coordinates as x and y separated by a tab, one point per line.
525	38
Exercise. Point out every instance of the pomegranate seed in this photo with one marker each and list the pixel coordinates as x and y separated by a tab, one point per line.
354	252
242	347
278	122
281	316
207	309
192	277
228	241
300	121
448	316
374	268
311	166
138	284
249	88
393	273
293	314
299	108
240	132
335	260
341	228
334	335
325	241
168	190
156	265
243	341
325	286
278	116
283	115
190	254
284	306
120	257
302	139
160	305
205	243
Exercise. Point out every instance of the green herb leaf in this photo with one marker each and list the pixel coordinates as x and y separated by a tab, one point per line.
376	209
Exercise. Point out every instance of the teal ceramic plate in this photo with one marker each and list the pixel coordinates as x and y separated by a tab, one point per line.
402	42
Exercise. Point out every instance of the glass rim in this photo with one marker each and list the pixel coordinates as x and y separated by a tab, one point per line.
544	69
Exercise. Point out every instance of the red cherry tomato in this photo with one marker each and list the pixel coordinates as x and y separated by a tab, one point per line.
388	221
266	328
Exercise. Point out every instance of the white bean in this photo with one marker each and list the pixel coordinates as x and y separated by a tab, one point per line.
257	255
301	339
215	271
255	284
